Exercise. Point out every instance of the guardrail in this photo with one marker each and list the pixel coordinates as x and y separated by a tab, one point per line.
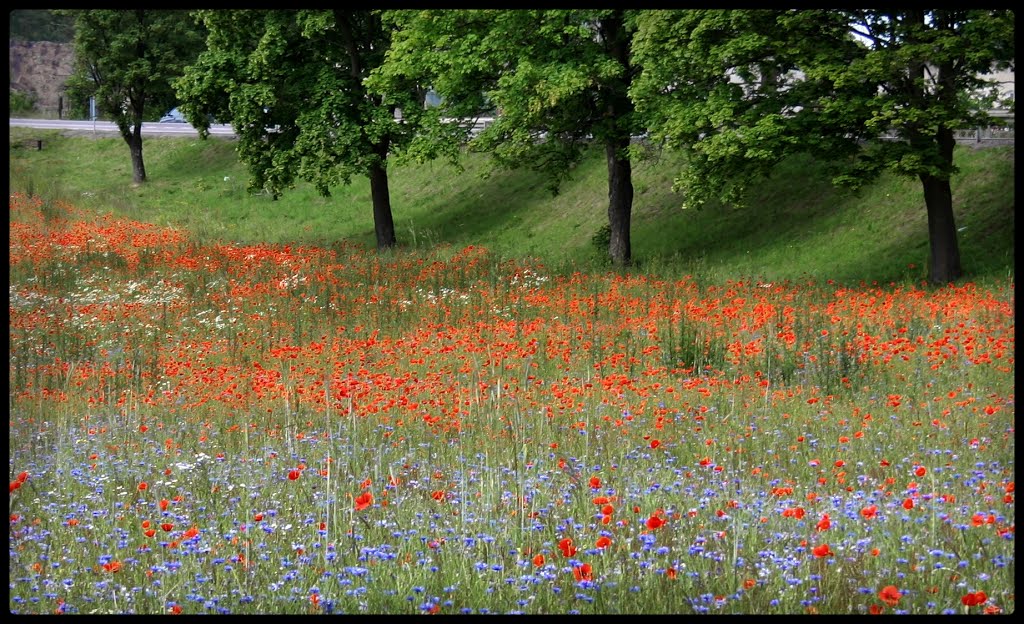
992	135
983	135
997	134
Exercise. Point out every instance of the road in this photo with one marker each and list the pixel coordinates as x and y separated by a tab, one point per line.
106	127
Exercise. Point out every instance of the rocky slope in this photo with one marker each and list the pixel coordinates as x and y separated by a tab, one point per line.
40	68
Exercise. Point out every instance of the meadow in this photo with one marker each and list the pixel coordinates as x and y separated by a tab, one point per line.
211	427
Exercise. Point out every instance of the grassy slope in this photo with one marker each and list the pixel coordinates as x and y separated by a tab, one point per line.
796	226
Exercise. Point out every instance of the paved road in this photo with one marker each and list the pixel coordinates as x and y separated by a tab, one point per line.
106	127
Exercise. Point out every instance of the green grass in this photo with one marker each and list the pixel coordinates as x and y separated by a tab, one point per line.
795	225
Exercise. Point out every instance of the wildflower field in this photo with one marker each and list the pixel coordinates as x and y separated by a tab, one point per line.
201	427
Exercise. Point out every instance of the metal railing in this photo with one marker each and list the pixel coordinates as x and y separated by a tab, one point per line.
990	135
986	135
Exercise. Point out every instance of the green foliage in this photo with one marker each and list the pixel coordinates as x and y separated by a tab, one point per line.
602	237
40	25
752	86
127	59
740	90
21	102
549	73
291	83
558	79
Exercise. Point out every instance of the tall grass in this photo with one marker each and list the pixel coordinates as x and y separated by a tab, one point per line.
204	427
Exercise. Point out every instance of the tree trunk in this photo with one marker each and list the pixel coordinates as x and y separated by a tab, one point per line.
944	262
383	224
134	141
617	109
620	202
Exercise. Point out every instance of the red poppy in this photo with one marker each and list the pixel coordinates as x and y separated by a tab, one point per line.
824	523
163	504
437	495
143	486
567	548
73	522
113	566
150	532
363	501
655	521
655	443
538	561
603	542
974	599
908	503
257	517
875	609
600	500
671	573
822	551
890	595
23	476
921	471
294	474
793	512
608	510
869	512
583	572
15	485
595	482
167	526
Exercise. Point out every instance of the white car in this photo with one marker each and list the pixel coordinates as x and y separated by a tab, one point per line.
173	116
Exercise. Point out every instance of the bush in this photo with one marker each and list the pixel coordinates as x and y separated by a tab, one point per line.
602	238
21	102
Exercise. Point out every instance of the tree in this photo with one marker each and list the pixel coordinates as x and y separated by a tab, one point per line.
292	84
741	89
559	80
127	59
40	25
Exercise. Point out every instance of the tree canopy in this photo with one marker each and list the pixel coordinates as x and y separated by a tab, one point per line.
40	25
292	84
741	89
557	79
126	60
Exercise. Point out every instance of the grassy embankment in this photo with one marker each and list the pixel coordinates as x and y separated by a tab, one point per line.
796	224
